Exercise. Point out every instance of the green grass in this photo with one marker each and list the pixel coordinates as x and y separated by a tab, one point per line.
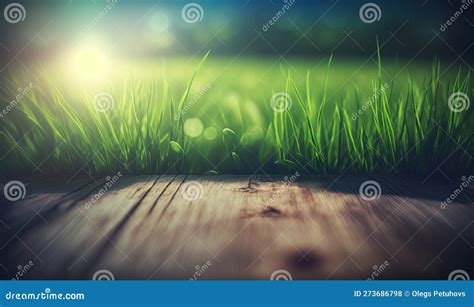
161	107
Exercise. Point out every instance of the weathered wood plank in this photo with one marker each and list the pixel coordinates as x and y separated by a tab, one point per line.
57	242
244	228
41	200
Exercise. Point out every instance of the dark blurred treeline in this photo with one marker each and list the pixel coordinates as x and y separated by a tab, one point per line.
404	28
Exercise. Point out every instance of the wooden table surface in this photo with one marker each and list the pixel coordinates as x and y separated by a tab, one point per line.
236	227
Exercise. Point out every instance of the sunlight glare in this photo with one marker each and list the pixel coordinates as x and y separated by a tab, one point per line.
89	61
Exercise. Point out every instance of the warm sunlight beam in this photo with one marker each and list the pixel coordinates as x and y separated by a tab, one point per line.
89	61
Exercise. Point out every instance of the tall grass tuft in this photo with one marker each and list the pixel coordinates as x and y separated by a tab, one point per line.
392	128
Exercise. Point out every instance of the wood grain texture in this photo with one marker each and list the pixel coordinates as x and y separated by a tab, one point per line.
237	227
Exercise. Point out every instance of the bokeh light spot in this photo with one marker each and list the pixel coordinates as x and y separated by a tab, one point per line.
210	133
193	127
